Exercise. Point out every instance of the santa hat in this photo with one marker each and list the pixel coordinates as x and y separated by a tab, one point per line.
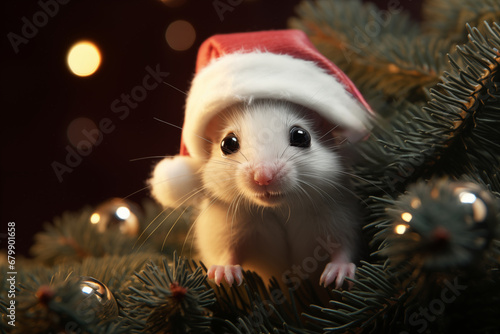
241	67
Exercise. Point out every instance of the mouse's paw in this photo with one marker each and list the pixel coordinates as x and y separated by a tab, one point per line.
337	272
229	272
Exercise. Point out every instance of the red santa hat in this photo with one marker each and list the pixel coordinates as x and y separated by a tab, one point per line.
281	64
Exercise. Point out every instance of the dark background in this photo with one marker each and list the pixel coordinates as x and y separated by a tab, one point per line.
40	98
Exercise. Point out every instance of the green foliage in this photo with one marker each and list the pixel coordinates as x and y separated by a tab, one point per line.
67	242
434	256
439	226
172	299
383	52
71	237
254	307
456	134
448	18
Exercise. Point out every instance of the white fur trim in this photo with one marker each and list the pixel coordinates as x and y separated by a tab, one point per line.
242	77
175	181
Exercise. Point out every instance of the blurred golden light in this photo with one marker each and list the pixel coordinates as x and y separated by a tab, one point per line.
416	203
87	290
95	218
467	197
406	216
123	212
84	58
83	131
180	35
400	228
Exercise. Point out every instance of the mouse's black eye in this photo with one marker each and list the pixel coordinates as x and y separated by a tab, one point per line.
229	144
299	137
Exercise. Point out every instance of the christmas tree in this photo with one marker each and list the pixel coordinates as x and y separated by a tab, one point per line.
428	177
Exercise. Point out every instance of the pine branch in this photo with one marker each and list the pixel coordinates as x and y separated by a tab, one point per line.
171	299
400	67
457	133
471	95
381	51
393	159
49	299
448	18
57	306
255	308
376	299
437	240
439	226
73	238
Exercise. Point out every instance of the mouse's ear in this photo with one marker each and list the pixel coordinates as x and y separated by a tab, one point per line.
176	181
352	135
341	133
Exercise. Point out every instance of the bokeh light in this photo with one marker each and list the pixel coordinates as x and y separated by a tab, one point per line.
180	35
95	218
401	229
467	197
83	131
87	290
406	216
123	212
84	58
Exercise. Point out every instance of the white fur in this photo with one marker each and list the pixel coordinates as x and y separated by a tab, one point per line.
272	237
176	181
242	77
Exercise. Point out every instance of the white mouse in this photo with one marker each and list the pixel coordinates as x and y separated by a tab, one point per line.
275	199
261	157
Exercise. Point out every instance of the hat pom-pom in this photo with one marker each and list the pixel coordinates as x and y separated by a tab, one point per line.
176	181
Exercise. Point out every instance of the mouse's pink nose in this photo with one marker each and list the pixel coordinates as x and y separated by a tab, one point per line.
263	176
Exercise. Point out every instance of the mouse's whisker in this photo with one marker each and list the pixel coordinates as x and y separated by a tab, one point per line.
226	161
328	132
289	213
321	192
177	89
283	153
227	178
290	158
162	212
328	180
151	185
138	191
172	227
364	180
188	197
328	142
195	222
242	155
183	200
189	232
166	180
335	185
233	207
180	128
151	157
235	161
343	141
147	227
214	199
301	188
